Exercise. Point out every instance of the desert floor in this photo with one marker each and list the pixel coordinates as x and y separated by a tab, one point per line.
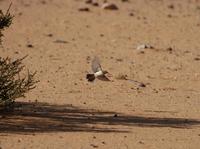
67	111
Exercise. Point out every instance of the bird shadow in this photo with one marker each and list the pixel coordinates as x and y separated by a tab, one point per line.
38	117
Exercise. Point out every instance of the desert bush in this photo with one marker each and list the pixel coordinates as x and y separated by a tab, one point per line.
5	20
12	84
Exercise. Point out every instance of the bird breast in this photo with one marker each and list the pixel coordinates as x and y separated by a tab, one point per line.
98	73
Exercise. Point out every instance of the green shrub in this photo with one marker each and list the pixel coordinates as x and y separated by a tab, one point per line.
12	85
5	20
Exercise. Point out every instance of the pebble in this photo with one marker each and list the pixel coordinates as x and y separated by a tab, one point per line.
144	46
141	142
84	9
60	41
19	140
94	146
142	85
95	4
92	2
29	45
169	49
197	58
131	14
50	35
109	6
171	6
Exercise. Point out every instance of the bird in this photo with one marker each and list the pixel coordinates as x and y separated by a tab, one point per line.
98	72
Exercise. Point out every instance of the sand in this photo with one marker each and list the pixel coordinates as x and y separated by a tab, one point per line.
66	111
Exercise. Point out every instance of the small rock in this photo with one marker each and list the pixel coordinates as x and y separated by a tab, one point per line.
141	52
88	58
29	45
109	6
84	9
19	140
131	14
95	4
50	35
197	58
142	85
92	2
169	49
60	41
144	46
94	146
141	142
171	6
155	91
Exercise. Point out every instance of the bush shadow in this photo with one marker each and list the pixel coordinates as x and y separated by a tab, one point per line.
28	117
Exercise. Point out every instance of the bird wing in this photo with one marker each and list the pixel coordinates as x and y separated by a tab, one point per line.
96	65
103	78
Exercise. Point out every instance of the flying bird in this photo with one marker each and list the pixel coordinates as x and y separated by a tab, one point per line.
98	72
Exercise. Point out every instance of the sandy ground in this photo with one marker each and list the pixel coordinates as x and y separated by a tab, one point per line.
73	113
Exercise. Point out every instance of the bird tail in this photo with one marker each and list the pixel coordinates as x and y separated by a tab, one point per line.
90	77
